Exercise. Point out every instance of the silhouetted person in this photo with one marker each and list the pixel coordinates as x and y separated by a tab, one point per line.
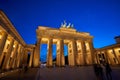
108	71
101	75
96	70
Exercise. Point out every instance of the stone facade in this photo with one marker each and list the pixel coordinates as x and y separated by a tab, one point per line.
109	54
14	52
80	47
13	49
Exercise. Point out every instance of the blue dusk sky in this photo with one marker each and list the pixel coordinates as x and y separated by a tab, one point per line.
101	18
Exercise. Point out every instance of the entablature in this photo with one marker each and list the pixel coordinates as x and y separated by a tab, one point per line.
63	34
7	26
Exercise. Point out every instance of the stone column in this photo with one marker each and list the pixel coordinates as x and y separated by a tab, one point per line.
78	53
58	56
108	54
17	63
106	57
79	57
83	51
115	56
36	61
7	57
31	58
2	44
2	41
69	54
72	53
75	52
96	57
25	57
91	51
60	61
49	54
13	55
62	53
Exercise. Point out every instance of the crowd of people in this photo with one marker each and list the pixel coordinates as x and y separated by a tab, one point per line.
102	69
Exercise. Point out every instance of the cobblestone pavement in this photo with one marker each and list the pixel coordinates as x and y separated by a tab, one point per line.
64	73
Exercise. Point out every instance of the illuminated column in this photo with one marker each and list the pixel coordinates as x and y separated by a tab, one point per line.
115	56
75	52
62	53
78	54
25	57
13	55
58	56
71	53
60	61
91	49
96	57
107	57
17	63
3	38
36	62
31	58
84	52
79	57
49	54
8	54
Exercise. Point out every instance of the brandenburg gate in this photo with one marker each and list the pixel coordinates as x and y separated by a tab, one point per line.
80	46
14	52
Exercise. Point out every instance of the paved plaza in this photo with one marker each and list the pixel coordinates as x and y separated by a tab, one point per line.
64	73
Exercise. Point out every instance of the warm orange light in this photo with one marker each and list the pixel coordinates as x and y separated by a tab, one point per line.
0	36
14	46
8	42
